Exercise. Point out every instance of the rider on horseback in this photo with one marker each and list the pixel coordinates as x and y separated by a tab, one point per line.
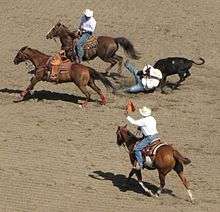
86	29
147	125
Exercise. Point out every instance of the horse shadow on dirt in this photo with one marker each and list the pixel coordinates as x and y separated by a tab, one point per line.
121	182
47	95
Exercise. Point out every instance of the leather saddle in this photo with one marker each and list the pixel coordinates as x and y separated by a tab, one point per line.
91	43
59	66
150	149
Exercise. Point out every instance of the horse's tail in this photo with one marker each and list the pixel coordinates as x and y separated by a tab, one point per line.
203	61
128	47
98	76
180	158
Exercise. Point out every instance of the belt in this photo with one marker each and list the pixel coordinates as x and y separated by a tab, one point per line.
89	32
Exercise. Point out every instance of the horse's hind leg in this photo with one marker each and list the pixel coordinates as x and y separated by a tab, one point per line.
111	60
98	90
120	61
86	92
162	182
179	170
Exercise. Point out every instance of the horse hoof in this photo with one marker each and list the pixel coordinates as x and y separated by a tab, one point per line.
193	201
157	195
19	98
103	100
84	105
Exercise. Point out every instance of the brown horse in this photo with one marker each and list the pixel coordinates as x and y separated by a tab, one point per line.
106	48
79	74
165	160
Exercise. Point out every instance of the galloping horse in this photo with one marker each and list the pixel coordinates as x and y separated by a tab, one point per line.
105	50
166	159
79	74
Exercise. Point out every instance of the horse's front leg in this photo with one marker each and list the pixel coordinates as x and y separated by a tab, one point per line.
139	177
132	172
30	87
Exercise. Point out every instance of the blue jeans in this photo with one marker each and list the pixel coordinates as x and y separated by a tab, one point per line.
147	140
138	87
79	45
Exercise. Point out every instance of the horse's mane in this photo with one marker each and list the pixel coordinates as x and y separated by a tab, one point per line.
132	137
34	50
71	33
66	29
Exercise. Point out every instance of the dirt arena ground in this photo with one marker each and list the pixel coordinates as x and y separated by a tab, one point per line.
55	156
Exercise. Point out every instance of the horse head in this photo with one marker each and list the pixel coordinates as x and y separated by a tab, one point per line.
122	134
59	30
54	31
21	56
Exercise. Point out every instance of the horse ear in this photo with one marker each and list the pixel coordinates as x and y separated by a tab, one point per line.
125	126
23	48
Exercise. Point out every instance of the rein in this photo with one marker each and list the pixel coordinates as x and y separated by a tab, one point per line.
125	148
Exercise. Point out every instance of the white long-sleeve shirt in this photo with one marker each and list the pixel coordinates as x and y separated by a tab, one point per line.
147	124
88	24
151	82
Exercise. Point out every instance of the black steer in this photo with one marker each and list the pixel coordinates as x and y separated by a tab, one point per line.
175	65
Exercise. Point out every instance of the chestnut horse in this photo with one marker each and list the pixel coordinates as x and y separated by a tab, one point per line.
106	48
79	74
166	159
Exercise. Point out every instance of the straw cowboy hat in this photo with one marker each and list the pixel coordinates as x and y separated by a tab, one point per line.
88	13
145	111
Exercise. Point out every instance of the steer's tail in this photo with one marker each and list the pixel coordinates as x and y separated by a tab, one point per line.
202	61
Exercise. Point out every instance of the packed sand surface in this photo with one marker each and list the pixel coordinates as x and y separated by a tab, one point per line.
56	156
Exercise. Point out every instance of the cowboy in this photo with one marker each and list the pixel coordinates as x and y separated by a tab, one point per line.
86	29
146	80
148	126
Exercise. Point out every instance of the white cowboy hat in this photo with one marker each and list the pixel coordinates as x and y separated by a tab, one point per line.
88	13
145	111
